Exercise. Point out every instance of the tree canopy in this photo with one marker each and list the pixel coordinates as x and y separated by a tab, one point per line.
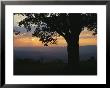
48	26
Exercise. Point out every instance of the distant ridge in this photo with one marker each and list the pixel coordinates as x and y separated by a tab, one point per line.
85	52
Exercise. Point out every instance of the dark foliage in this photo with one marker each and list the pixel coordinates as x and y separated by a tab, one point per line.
48	26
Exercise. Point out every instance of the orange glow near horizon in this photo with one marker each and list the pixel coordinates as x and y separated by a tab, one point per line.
34	42
29	41
26	40
87	41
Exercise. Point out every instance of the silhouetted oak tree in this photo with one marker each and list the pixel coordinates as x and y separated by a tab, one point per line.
49	26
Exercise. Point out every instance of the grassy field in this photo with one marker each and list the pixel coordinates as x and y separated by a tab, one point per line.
30	67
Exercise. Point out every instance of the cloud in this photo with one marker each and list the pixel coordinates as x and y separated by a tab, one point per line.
25	39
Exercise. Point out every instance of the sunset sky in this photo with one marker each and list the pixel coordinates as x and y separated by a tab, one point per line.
26	39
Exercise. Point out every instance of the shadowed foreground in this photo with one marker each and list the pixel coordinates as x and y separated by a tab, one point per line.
30	67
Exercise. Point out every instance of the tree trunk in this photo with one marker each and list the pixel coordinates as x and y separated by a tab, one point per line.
73	51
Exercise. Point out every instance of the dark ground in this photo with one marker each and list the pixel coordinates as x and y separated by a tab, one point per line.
29	67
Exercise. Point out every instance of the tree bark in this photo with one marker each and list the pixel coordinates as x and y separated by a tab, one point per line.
73	51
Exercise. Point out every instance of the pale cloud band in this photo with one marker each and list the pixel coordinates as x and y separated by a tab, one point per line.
26	40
